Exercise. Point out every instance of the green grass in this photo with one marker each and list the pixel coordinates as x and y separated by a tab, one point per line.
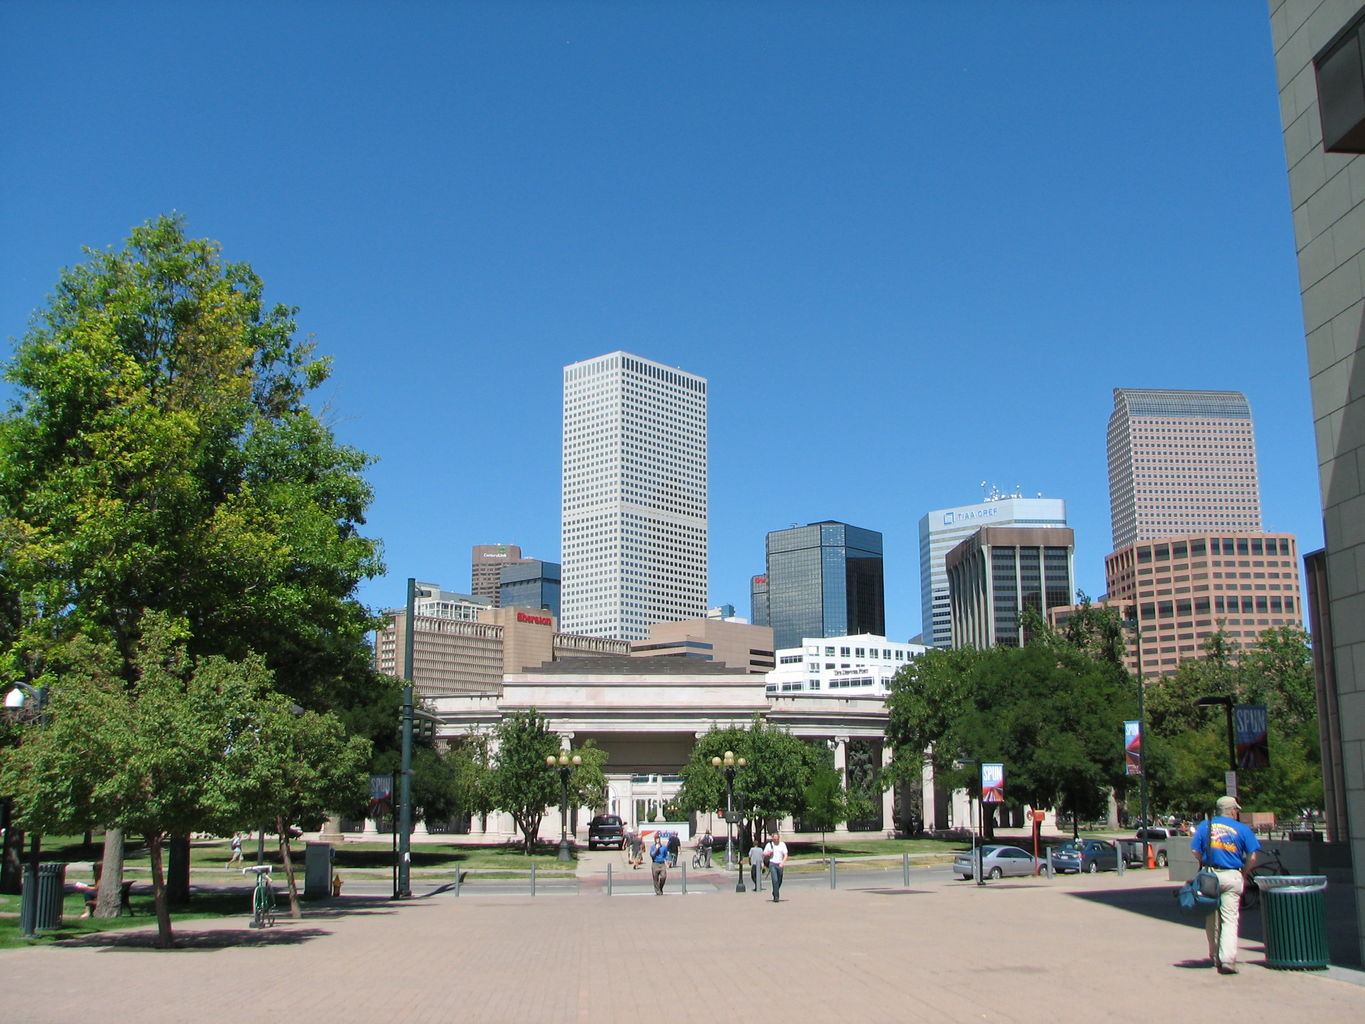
201	905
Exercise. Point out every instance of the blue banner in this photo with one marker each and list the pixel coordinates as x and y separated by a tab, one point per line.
1132	748
1253	742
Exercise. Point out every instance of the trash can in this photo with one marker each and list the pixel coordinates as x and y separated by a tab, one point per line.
51	889
1295	914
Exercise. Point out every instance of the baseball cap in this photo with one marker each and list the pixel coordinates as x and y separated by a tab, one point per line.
1226	804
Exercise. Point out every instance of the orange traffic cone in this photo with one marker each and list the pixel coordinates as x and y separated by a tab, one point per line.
1151	859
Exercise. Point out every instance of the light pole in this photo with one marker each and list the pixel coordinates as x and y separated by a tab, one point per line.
565	765
1136	623
728	765
15	699
403	877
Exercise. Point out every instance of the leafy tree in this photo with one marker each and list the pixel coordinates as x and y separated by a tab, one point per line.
159	455
519	782
929	696
825	804
772	784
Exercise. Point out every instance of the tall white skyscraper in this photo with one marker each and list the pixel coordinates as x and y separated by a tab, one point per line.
634	514
943	529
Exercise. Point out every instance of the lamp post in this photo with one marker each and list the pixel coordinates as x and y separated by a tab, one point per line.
565	764
15	699
1226	702
403	876
728	765
1136	623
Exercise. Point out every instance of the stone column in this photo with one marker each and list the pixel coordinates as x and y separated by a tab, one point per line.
888	795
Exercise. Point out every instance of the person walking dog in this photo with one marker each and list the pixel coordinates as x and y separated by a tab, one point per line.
1228	848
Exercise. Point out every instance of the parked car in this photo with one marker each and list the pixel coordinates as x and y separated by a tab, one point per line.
606	830
1089	855
1161	832
996	861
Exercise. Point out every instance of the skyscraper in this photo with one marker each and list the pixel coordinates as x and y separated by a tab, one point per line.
485	568
634	521
944	529
824	579
999	571
1181	462
530	583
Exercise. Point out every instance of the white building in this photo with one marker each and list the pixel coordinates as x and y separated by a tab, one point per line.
944	529
634	515
841	666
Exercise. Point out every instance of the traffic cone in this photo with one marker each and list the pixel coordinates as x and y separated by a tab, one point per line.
1151	858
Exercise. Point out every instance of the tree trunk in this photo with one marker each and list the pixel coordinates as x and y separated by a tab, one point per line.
178	877
12	857
109	898
288	868
164	939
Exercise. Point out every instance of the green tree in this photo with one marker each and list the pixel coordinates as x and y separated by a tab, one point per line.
520	783
929	696
159	455
825	804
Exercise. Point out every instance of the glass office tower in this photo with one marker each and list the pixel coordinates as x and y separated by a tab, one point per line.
824	579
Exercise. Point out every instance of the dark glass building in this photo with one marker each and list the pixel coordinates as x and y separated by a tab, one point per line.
824	579
530	584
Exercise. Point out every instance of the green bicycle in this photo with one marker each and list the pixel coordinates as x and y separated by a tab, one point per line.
263	898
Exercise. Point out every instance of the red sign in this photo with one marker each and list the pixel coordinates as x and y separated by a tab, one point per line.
539	620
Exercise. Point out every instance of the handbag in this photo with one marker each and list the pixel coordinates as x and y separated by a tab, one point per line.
1194	896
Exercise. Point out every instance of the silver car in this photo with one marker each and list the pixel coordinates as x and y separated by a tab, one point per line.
996	862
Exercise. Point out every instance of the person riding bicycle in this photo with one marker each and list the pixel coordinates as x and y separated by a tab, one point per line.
707	844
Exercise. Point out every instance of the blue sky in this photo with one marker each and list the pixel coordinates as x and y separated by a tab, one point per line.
913	246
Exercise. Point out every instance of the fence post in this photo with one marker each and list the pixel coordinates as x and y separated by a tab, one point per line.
905	869
457	883
608	878
683	865
833	872
533	879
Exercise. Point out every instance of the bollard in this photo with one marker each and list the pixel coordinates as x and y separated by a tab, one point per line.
533	879
1051	872
905	869
833	871
683	865
457	882
1123	861
609	879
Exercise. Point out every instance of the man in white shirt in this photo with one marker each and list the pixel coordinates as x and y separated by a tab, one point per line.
775	856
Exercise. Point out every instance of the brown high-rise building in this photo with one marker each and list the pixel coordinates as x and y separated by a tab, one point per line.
1181	462
485	568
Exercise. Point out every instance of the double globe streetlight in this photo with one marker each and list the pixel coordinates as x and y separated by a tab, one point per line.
565	766
728	766
15	701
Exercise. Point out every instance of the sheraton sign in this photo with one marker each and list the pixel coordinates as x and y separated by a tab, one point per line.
539	620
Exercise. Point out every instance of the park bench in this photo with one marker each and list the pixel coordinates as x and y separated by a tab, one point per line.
125	904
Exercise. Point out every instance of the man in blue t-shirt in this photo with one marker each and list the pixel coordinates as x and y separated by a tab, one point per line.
1228	848
658	856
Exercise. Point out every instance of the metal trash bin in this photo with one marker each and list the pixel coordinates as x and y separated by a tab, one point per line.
51	890
1294	910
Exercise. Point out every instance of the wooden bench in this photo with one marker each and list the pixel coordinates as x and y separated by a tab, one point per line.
125	891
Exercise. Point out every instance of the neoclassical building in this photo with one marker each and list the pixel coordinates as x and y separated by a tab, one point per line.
648	713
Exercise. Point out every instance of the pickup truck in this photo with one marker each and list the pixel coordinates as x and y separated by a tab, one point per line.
1159	838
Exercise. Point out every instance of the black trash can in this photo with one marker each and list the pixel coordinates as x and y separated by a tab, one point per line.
1295	916
51	890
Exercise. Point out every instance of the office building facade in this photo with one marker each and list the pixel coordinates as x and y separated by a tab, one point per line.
530	583
1319	49
841	666
944	529
997	572
824	579
486	562
738	645
634	520
1181	462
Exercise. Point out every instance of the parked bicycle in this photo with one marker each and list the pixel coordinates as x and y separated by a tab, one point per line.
1269	865
262	898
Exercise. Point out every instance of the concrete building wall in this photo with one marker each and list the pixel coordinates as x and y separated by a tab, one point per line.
739	645
1327	192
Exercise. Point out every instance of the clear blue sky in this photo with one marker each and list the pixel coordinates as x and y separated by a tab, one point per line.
913	246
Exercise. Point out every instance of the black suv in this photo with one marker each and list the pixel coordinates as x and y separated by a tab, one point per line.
606	830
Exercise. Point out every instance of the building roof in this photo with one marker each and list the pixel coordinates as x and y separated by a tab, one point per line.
618	665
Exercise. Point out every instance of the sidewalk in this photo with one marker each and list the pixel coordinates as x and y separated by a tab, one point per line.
1092	948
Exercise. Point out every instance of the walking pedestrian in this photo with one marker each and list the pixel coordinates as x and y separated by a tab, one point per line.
775	856
674	845
755	862
1227	848
658	856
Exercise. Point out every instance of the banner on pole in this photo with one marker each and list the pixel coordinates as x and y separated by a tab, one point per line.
1250	728
992	783
1132	748
381	796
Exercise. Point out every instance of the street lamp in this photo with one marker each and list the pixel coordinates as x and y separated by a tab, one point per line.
1226	702
566	765
728	766
403	877
1136	623
15	700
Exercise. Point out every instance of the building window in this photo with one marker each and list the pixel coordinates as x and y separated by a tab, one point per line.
1340	73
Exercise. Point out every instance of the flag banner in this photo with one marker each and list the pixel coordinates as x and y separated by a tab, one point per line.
992	783
381	796
1132	747
1250	727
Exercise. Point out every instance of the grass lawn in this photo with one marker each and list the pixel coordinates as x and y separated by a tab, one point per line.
202	905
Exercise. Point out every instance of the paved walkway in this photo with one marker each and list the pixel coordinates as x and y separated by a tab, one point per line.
1090	948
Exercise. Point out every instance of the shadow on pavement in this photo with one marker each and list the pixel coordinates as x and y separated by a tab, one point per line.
221	938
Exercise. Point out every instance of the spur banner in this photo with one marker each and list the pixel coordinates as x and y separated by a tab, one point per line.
1253	744
992	783
1132	747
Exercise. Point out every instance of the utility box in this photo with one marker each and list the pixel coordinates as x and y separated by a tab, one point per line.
317	871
